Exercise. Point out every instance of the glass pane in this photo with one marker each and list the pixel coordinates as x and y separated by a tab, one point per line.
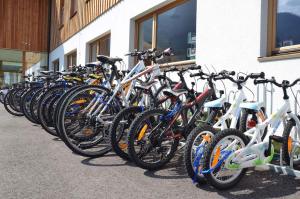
104	48
93	52
12	65
71	60
56	65
176	28
288	23
145	34
35	62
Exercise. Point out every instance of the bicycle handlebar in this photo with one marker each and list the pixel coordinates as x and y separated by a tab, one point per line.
284	84
151	54
241	79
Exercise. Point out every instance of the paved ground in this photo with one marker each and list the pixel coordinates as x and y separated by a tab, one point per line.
34	164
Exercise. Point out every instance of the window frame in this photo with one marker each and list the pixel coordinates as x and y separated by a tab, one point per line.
71	54
98	41
55	63
272	23
154	15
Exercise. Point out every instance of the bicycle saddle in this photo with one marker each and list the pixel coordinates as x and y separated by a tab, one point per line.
108	60
46	72
218	103
172	93
252	105
68	73
93	64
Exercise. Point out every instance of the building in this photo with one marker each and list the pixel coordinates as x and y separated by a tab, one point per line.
246	36
23	37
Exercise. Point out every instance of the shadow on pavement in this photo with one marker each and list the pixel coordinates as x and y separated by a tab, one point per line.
92	162
260	184
174	170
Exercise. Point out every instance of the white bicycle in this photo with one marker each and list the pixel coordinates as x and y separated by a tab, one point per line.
231	152
228	118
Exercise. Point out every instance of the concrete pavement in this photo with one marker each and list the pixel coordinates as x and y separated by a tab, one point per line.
34	164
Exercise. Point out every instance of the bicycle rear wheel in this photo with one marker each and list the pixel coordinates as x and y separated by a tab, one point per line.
83	133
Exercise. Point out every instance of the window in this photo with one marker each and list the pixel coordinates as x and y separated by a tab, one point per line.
284	26
72	59
100	47
56	65
73	9
61	12
160	30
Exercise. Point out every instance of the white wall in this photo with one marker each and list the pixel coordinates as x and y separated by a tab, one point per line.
231	35
119	21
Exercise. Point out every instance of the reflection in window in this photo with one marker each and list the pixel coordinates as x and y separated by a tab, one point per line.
176	28
14	63
145	34
288	23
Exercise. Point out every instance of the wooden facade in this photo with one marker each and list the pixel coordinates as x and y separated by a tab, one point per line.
65	21
24	25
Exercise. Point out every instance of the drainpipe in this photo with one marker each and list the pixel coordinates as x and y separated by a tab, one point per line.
49	32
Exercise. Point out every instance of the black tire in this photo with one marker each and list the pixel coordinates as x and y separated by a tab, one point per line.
7	105
46	109
285	149
15	99
34	105
134	130
243	123
25	104
127	114
57	107
2	98
207	157
65	134
188	156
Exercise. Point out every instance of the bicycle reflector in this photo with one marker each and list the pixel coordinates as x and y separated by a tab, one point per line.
290	144
251	123
142	132
216	157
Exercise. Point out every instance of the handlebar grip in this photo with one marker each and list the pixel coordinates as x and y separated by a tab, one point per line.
260	81
257	75
168	52
232	73
195	74
195	67
219	78
225	72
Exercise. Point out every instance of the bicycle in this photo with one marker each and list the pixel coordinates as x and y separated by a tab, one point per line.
95	117
229	118
232	151
156	133
121	124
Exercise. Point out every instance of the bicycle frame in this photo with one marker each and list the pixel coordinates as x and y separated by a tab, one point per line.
130	78
255	149
179	108
233	112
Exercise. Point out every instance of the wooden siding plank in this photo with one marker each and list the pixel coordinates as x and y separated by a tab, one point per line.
24	22
86	13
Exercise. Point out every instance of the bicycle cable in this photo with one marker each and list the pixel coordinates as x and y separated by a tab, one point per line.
225	90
